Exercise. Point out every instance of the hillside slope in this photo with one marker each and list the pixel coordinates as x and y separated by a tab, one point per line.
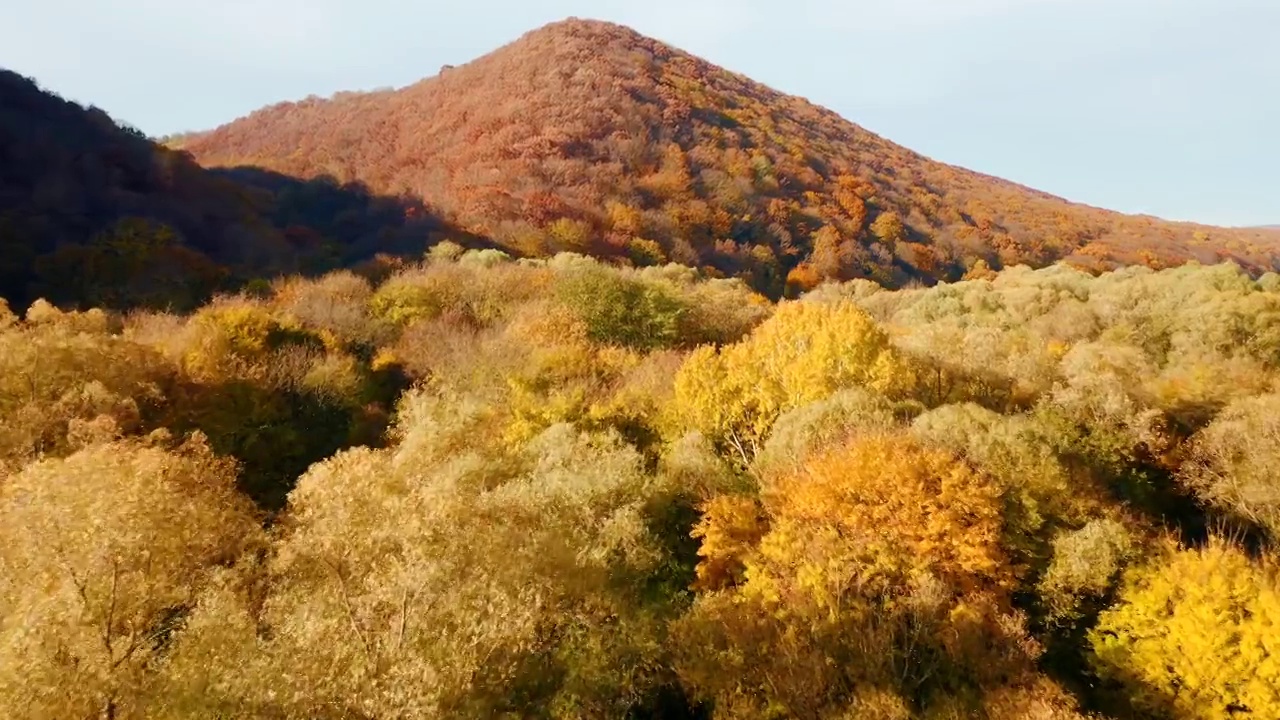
585	135
93	213
76	190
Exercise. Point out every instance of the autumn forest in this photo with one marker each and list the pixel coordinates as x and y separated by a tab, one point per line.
589	380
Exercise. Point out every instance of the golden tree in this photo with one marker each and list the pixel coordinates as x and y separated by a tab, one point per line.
65	373
446	578
804	352
878	564
1193	635
101	556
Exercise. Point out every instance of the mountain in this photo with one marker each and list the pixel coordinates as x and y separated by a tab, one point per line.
95	213
71	179
587	136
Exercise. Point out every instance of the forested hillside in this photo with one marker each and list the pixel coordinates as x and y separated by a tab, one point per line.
93	213
559	489
585	136
582	136
481	399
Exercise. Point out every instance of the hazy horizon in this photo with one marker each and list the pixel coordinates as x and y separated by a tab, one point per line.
1155	107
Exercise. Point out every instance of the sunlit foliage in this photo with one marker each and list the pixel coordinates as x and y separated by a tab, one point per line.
65	379
804	352
441	579
1085	566
472	486
561	457
102	555
1193	634
876	565
1235	462
587	137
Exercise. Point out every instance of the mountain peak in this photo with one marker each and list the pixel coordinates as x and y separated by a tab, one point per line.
586	135
574	26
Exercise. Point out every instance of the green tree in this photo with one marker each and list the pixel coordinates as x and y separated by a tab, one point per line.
1233	462
137	262
623	311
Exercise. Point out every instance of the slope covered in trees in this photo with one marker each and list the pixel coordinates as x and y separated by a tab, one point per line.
587	137
70	175
474	487
94	213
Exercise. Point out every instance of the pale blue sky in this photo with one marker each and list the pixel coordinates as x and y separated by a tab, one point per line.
1168	107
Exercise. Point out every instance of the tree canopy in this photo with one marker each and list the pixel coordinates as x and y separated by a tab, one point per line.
472	486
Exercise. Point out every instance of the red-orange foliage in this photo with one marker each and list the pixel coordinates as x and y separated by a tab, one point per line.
581	114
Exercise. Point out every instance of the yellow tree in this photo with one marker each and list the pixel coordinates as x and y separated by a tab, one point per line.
101	555
1194	635
804	352
61	372
444	577
889	229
